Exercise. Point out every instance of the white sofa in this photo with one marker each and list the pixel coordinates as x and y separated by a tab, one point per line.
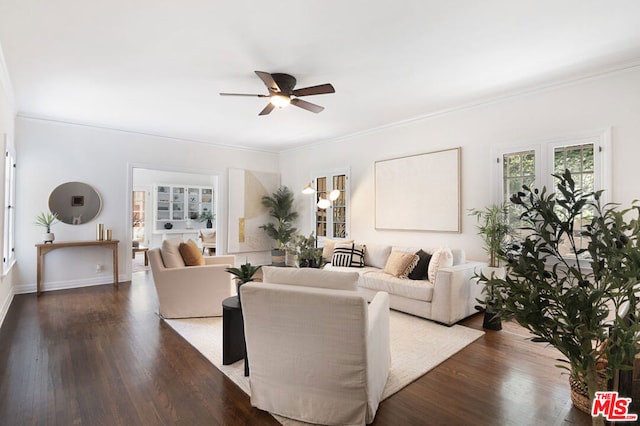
318	355
446	298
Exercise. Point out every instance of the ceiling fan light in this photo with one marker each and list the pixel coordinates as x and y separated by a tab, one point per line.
334	195
280	101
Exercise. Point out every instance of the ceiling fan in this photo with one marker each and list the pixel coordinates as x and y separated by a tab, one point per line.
282	92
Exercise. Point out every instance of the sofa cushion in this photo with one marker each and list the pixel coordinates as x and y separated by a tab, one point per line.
376	255
310	277
400	264
420	272
191	254
442	258
328	246
348	255
412	289
359	271
170	251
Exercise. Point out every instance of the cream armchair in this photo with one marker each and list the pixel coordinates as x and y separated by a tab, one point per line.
191	291
315	354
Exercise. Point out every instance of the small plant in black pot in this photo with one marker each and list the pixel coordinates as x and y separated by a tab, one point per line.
243	274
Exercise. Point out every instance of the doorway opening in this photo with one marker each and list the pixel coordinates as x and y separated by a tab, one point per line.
171	205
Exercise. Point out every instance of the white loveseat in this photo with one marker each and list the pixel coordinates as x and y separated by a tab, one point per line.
319	355
447	297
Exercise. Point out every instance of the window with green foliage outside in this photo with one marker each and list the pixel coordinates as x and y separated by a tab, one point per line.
579	160
518	168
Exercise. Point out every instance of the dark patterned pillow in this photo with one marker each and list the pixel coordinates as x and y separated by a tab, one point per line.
348	255
421	269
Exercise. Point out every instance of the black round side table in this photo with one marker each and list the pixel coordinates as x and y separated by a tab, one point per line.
233	343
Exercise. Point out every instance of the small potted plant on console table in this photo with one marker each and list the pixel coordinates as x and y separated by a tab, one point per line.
46	219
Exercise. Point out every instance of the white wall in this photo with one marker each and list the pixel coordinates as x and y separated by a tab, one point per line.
7	114
50	153
607	101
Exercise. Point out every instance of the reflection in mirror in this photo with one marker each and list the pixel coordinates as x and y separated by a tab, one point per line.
75	203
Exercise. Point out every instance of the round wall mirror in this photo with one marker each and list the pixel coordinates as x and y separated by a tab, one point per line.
75	203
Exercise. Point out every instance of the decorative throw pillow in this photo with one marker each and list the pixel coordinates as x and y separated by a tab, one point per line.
441	258
329	245
400	264
170	251
377	255
420	272
348	255
190	253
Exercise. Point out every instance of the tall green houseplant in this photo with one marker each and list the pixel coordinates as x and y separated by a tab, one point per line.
573	304
494	228
280	205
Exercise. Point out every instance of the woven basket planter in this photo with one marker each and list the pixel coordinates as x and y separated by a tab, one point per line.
579	393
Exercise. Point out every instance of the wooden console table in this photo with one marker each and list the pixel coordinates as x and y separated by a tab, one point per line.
46	248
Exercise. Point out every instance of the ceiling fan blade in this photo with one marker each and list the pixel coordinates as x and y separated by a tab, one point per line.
315	90
268	80
267	109
244	94
306	105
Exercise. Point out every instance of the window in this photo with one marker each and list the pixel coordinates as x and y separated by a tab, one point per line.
8	256
579	160
331	205
586	157
518	168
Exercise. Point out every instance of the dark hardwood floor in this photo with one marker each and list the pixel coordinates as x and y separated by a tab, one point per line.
100	356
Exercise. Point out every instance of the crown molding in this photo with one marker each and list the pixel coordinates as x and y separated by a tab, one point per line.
486	101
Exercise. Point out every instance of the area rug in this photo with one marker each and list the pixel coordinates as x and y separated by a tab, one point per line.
417	346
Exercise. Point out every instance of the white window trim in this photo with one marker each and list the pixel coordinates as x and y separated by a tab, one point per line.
9	255
497	179
544	150
601	159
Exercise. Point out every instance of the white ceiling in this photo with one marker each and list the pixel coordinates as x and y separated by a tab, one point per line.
157	66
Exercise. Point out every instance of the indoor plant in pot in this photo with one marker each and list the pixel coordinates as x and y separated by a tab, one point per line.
280	205
208	217
307	255
494	228
243	274
585	304
46	219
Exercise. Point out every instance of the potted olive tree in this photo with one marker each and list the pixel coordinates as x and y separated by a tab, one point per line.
585	304
280	205
494	228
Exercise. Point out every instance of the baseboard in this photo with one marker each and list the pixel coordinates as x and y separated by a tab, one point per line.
62	285
5	306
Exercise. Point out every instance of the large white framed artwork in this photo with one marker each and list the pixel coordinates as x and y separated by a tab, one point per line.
419	192
246	212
